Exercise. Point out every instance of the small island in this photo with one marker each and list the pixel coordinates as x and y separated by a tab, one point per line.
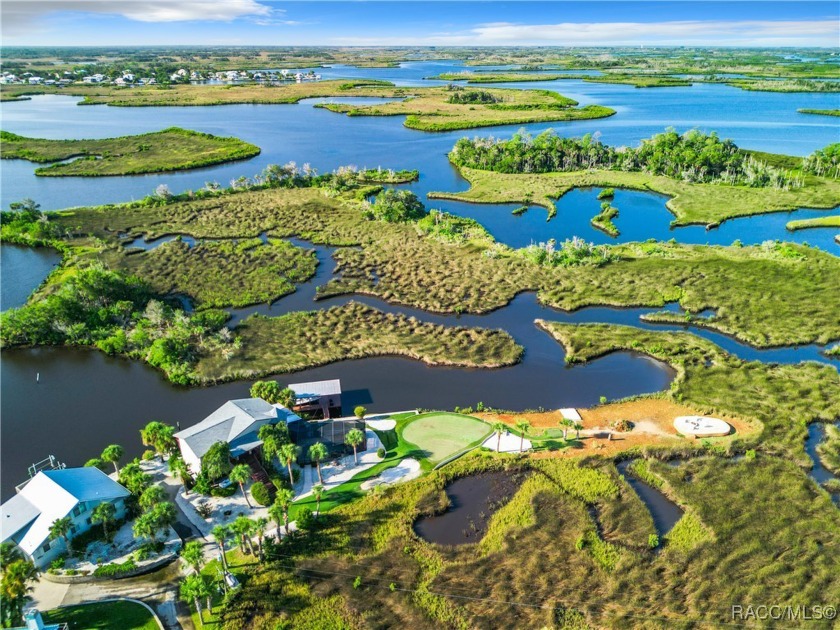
172	149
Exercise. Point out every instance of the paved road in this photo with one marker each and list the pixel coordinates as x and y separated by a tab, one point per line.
159	590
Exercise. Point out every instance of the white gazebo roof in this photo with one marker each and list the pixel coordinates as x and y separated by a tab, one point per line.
701	426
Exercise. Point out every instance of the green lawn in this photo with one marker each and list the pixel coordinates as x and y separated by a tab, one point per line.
122	615
440	435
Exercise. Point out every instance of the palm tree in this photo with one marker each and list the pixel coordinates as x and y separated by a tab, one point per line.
271	442
179	468
60	528
159	436
152	496
288	454
104	513
221	534
317	452
14	589
318	492
354	437
498	429
260	525
523	426
193	555
240	474
566	423
578	426
283	502
113	454
242	527
193	589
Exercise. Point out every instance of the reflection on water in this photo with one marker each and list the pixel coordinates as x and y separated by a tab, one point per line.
22	270
665	512
818	472
472	502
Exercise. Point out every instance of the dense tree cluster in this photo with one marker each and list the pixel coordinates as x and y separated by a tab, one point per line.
693	156
824	162
118	314
473	97
396	206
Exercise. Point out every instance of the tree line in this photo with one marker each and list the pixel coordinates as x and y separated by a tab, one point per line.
694	157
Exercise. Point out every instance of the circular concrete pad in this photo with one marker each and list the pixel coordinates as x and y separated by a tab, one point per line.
701	426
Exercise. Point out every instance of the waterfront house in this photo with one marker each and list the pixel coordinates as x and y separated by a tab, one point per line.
25	519
237	422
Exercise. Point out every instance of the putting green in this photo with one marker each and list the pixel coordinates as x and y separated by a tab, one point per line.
440	435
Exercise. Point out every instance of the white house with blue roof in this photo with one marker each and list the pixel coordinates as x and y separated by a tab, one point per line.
25	519
237	422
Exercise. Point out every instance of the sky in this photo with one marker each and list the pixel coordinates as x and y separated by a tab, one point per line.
431	23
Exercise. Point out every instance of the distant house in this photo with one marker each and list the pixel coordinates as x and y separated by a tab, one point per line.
35	80
237	422
323	396
25	519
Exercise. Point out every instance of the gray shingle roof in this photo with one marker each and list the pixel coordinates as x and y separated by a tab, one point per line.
228	423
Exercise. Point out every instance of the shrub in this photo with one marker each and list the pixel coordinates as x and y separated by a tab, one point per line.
653	541
360	412
58	563
114	570
622	425
305	519
260	493
396	206
204	509
218	491
381	453
148	455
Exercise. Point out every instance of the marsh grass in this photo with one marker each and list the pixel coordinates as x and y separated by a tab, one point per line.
818	222
219	274
784	398
454	265
292	342
531	552
172	149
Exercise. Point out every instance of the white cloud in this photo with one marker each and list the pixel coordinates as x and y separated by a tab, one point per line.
18	15
673	33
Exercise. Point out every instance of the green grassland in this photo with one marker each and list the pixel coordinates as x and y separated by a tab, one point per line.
639	81
430	109
708	204
789	85
819	222
172	149
426	108
202	95
469	272
820	112
292	342
220	273
829	449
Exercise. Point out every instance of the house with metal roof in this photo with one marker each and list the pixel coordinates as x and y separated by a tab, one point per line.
323	396
25	519
237	422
